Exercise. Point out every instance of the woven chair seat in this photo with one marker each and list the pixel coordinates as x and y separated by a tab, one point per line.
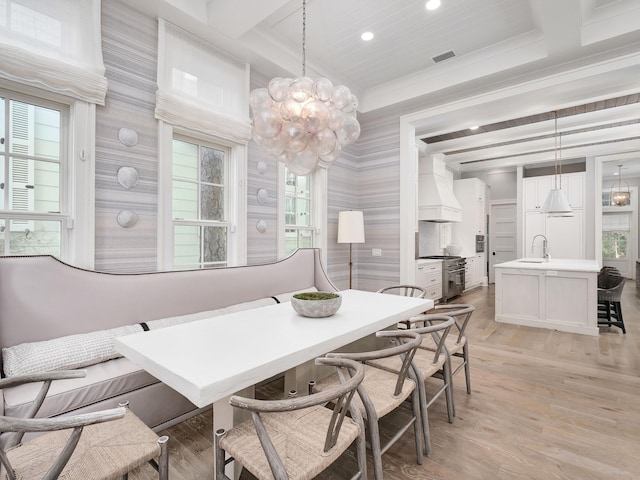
423	360
106	451
453	344
378	383
298	437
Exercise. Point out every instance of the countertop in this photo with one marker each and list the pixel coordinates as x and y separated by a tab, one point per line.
566	264
427	261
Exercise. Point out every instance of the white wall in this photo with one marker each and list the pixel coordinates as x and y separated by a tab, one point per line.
502	184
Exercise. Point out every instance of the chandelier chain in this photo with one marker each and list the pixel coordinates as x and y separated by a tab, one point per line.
304	37
560	155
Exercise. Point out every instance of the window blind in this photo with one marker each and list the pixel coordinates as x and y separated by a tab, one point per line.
200	87
54	45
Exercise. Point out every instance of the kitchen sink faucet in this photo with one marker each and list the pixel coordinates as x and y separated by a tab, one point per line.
545	251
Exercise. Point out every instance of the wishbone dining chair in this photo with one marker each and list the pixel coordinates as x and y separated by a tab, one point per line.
297	437
89	446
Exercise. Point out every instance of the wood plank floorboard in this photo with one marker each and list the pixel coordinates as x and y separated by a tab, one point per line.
545	405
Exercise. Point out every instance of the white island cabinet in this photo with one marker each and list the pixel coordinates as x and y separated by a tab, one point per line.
560	294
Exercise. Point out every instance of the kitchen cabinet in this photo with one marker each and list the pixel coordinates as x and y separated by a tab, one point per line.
536	190
469	272
565	235
560	294
481	269
474	271
573	185
429	277
471	194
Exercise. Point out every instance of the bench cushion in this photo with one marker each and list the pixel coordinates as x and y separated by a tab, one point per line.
179	319
64	353
103	380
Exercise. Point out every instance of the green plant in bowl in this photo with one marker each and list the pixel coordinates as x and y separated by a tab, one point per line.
316	295
316	304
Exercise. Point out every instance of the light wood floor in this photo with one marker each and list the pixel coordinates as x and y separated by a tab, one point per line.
544	405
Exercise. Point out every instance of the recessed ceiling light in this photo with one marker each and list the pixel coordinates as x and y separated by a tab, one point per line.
432	4
475	127
366	36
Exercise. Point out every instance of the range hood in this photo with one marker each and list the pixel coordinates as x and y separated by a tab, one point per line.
436	200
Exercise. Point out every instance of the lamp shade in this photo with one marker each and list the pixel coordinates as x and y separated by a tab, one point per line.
350	227
556	202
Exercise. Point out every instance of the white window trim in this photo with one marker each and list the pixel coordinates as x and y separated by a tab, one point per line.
319	188
237	199
81	177
77	182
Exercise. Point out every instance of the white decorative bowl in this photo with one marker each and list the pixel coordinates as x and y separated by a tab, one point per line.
316	304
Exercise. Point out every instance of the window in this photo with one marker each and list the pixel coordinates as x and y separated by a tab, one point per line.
302	211
200	204
299	222
33	205
616	231
203	202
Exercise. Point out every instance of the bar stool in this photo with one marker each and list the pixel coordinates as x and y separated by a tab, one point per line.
609	306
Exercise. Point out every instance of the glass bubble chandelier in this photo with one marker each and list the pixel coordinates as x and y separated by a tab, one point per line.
302	122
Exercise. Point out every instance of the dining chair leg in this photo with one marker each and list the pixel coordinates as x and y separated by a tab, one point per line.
467	370
219	456
376	450
361	453
448	392
163	460
417	427
422	391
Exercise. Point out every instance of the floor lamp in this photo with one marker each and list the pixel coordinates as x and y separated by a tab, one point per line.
350	230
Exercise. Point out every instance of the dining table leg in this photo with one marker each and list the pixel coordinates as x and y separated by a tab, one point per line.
225	417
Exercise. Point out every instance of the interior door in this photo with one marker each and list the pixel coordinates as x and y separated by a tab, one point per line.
502	235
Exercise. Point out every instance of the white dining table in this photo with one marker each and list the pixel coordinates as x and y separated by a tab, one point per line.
210	359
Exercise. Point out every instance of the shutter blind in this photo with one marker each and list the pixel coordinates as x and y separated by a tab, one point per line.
21	173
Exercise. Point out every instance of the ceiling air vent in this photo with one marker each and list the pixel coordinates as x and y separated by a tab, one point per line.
443	56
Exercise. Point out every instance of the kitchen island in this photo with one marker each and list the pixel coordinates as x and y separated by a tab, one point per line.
559	294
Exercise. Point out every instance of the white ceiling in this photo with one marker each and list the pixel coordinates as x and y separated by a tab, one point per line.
513	59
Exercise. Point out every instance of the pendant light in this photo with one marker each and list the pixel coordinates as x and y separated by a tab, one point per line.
620	195
556	203
302	122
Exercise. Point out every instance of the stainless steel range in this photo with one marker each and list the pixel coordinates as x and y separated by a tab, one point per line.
452	275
